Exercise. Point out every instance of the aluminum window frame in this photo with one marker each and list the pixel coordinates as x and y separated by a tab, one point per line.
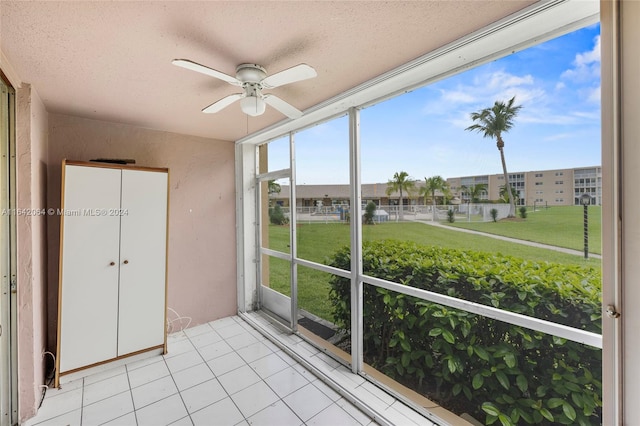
534	25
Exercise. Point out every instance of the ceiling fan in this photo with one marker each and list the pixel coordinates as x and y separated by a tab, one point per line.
253	79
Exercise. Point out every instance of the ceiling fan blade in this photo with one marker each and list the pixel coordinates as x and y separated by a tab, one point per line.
190	65
291	75
223	103
282	106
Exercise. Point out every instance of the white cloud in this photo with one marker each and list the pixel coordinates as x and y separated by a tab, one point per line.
559	136
457	97
586	65
594	95
591	56
504	80
588	115
455	104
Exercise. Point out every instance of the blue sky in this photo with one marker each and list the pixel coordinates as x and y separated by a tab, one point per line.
423	132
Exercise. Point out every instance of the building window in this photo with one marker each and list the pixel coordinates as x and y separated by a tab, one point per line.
538	183
559	182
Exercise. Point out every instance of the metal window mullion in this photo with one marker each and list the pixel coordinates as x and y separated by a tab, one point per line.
357	319
274	175
5	312
293	235
258	228
323	268
536	324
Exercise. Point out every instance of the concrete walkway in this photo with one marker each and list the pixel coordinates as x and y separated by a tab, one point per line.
513	240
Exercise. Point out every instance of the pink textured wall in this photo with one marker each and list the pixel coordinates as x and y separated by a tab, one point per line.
202	242
32	152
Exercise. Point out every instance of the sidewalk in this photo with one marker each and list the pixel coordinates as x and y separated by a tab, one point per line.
514	240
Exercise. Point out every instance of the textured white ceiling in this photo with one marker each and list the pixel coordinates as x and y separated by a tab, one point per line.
112	60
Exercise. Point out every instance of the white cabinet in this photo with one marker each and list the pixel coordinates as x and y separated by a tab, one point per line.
113	248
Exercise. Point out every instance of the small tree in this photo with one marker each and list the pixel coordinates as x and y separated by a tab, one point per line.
475	192
276	216
369	212
523	212
494	214
451	217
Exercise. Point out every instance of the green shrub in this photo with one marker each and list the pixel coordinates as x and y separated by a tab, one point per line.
500	371
369	212
523	212
276	216
494	214
451	216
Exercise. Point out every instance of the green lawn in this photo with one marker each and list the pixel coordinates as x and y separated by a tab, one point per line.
557	226
316	242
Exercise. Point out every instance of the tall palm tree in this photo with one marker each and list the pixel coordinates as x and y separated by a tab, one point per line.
474	192
433	184
400	182
492	122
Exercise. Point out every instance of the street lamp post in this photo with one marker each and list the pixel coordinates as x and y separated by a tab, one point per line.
585	200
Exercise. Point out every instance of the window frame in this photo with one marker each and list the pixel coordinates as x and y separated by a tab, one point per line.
531	26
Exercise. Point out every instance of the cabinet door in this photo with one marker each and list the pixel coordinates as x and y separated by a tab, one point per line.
142	260
89	285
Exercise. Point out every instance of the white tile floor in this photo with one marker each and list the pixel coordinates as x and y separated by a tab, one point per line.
220	373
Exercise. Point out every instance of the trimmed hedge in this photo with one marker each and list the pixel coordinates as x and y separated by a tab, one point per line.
507	374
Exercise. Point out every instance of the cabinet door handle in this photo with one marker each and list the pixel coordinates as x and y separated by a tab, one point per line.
126	262
112	264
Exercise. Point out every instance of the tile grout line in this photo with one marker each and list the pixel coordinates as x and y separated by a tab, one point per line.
215	376
247	364
280	399
82	402
176	385
133	404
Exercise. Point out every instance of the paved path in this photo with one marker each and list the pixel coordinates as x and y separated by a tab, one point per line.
513	240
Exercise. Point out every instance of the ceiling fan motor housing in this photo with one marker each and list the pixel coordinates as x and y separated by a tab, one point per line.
250	73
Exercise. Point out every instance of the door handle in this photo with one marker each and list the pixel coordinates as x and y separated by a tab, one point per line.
112	264
612	312
126	262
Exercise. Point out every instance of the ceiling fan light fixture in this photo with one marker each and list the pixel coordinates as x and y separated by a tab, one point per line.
252	105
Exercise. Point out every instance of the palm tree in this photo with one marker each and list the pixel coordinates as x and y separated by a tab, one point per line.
274	187
504	196
492	122
433	184
474	192
400	182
